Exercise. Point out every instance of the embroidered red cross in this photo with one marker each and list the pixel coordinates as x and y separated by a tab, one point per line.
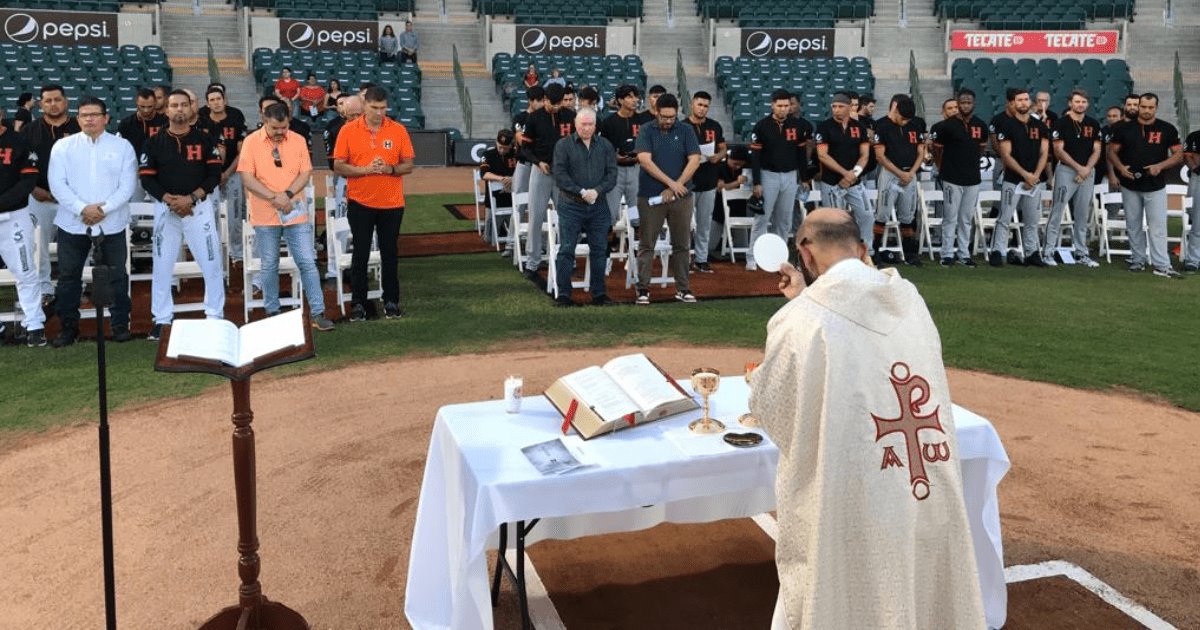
912	392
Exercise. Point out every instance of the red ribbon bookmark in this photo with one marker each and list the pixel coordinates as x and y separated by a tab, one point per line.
566	425
629	418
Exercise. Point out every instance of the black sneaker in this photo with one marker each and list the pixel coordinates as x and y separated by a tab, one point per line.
995	259
685	296
322	323
391	310
704	267
1015	259
563	301
1168	273
603	300
358	313
1191	268
947	262
120	333
529	274
967	262
1137	267
155	333
66	337
1035	260
915	261
35	338
643	297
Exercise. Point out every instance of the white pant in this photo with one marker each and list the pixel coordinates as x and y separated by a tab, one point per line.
42	213
16	248
200	230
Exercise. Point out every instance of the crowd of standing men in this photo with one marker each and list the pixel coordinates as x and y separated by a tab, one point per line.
68	181
673	171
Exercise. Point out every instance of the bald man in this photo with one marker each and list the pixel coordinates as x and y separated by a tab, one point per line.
872	528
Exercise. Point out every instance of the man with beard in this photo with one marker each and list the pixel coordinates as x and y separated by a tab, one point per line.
1023	144
41	135
544	129
708	134
1077	144
18	175
958	142
842	148
180	168
227	128
899	146
1141	153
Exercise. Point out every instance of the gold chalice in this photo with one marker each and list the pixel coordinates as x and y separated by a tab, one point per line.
748	419
706	381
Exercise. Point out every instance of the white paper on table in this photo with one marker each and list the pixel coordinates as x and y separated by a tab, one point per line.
708	149
552	457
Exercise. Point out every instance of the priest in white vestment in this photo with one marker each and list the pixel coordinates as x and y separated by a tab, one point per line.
873	534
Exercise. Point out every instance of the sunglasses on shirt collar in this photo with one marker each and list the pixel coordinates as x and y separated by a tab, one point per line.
275	155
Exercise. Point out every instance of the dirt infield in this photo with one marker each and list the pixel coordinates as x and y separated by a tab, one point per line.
1106	481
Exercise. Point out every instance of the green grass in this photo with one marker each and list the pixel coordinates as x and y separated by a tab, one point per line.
427	213
1081	328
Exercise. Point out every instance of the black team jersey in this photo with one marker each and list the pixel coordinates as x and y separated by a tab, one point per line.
844	145
41	137
544	130
178	165
1025	139
779	146
230	131
18	171
137	131
1142	145
622	133
961	142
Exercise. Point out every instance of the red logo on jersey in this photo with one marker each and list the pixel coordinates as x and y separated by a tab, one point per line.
1088	132
1035	133
6	156
790	134
154	131
194	152
912	137
1154	137
564	129
635	129
976	133
855	132
709	136
228	133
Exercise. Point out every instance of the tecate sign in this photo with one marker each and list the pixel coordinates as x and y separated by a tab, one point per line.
787	42
1037	42
328	34
561	40
58	27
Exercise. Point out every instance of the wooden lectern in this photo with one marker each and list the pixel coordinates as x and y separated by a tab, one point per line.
253	611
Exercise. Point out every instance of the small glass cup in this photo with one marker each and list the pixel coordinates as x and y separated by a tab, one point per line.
512	393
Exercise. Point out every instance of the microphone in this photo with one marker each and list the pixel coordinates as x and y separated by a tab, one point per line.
101	273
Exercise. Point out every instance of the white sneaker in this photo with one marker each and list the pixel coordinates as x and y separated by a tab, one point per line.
1087	261
751	266
1049	260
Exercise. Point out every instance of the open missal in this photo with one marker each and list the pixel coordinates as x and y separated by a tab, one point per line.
628	390
221	340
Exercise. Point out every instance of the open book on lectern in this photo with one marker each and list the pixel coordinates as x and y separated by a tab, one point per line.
221	340
626	391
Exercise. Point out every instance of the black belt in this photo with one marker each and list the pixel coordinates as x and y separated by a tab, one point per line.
563	192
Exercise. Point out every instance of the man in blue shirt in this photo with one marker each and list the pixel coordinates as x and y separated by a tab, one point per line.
669	155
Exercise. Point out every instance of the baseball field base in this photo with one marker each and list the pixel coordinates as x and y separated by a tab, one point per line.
265	616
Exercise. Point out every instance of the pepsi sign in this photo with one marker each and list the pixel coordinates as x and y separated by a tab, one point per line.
561	40
328	35
787	42
21	26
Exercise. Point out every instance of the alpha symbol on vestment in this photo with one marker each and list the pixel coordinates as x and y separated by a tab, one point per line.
912	392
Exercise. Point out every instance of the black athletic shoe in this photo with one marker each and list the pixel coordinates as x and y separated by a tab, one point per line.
358	313
155	333
603	300
995	259
563	301
704	267
391	310
967	262
1015	259
915	261
35	338
1035	260
947	262
66	337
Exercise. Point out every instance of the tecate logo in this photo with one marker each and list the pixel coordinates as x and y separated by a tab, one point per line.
760	43
303	35
23	28
535	41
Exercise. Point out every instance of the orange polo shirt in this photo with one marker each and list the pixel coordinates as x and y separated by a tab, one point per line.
257	160
358	145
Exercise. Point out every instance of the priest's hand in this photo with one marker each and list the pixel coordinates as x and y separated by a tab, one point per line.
791	281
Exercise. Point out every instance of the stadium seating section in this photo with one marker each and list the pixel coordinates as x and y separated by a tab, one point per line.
351	68
1107	82
765	13
110	73
106	6
1033	14
342	10
747	84
600	72
556	12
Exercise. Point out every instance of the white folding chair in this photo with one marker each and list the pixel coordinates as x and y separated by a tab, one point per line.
518	228
988	224
141	218
746	224
662	251
338	244
495	214
7	279
930	217
619	229
480	200
582	250
1177	195
252	264
1113	229
892	240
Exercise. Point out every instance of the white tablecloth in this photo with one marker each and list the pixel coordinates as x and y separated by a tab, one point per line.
476	478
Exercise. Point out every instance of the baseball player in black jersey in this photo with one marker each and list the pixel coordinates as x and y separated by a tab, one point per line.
18	175
54	125
1024	146
180	167
1076	140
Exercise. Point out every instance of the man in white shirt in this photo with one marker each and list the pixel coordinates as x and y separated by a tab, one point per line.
92	175
872	528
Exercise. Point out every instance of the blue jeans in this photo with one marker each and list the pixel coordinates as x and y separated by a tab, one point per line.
595	221
300	243
73	250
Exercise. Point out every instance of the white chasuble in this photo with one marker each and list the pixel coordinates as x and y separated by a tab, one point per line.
872	529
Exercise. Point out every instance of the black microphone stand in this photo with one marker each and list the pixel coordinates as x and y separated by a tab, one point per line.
102	297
